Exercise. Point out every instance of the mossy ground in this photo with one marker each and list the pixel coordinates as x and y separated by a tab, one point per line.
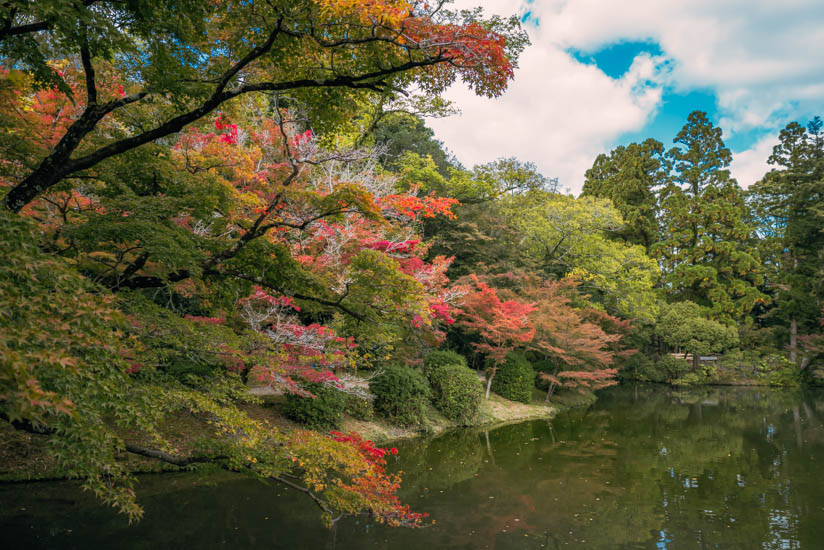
25	457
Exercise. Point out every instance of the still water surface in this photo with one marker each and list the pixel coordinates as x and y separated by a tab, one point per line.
645	467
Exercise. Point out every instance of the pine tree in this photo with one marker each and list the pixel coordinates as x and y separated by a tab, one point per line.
628	176
788	202
705	252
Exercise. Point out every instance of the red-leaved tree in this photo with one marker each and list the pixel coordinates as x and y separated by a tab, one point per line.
566	335
501	323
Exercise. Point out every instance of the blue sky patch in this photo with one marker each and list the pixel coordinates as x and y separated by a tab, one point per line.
529	16
672	115
616	59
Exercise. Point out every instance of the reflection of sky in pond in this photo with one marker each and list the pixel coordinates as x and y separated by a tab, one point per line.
650	468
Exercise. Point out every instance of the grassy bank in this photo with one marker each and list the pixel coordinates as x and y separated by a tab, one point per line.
26	457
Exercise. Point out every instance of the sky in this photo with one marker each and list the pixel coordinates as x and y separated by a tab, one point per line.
602	73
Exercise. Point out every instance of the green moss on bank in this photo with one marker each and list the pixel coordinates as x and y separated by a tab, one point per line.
25	457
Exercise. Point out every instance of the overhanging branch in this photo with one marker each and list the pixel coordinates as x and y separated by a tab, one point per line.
180	461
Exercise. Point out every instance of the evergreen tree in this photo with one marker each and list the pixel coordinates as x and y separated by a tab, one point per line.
705	253
629	176
788	203
402	132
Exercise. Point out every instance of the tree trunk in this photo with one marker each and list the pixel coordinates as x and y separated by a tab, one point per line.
489	381
549	392
794	340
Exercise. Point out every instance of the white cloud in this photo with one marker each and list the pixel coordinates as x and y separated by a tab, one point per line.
759	56
558	113
750	166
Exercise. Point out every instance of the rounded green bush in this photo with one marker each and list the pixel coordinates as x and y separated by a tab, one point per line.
456	392
643	369
322	412
514	379
401	395
673	367
359	407
441	358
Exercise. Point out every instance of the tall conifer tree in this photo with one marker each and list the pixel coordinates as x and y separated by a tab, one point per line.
629	176
788	201
705	252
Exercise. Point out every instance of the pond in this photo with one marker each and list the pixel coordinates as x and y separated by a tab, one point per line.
645	467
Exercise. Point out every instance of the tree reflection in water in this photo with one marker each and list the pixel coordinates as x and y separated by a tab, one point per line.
645	467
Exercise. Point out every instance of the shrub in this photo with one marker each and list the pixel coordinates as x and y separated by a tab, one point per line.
438	359
401	395
515	378
322	412
456	392
689	379
359	407
644	369
777	370
673	366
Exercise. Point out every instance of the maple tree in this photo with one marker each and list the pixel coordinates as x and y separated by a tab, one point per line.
208	227
325	52
501	323
118	344
582	349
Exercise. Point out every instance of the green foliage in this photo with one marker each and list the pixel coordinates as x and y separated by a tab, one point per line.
689	379
643	368
441	358
787	204
682	325
514	379
777	370
704	374
707	253
545	366
405	134
323	410
673	367
63	367
401	395
456	392
566	236
359	408
628	176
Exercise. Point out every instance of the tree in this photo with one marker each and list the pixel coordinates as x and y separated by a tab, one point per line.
581	350
170	74
787	201
706	253
195	223
481	235
630	176
501	324
565	236
683	326
159	286
401	133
